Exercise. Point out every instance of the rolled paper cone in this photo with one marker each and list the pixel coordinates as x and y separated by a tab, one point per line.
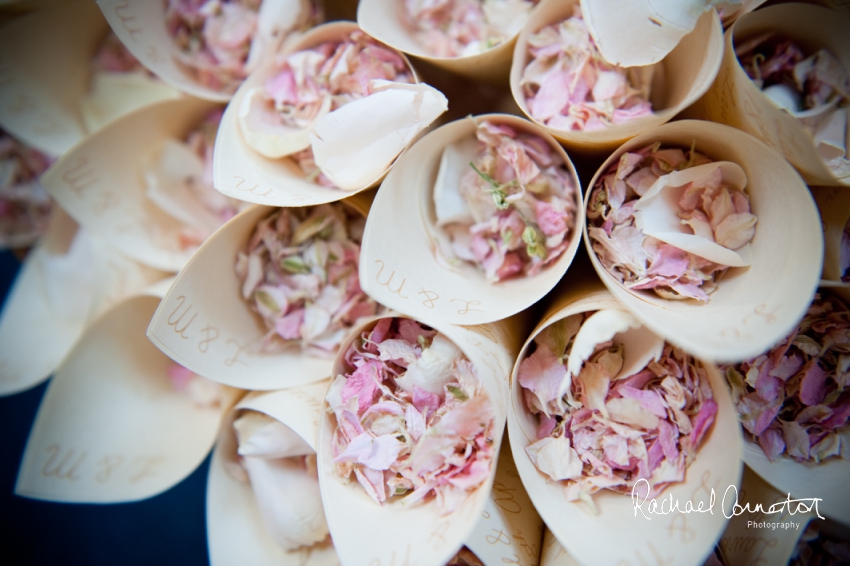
49	306
44	76
380	19
112	428
211	329
101	183
243	173
743	544
553	552
678	80
748	312
141	27
509	529
236	533
364	531
736	101
834	207
640	534
403	272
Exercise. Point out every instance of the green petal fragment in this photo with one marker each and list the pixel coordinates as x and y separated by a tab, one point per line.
309	228
534	245
294	264
457	392
267	301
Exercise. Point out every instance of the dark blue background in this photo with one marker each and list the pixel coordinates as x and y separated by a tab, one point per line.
167	529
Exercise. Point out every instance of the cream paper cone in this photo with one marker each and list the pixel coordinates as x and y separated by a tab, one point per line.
111	427
101	184
553	552
749	312
44	313
510	529
365	532
745	545
236	533
210	328
45	71
678	80
735	100
241	172
618	533
380	19
140	25
403	272
834	207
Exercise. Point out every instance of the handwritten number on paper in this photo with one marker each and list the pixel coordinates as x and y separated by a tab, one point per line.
430	297
210	334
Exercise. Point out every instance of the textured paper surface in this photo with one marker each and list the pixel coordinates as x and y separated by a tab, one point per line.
735	100
675	538
365	532
678	80
35	335
509	530
140	25
748	313
379	18
402	271
111	427
553	552
211	329
834	207
45	72
44	58
748	546
236	533
100	183
243	173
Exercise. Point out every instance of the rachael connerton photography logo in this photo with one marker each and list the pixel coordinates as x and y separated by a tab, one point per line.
647	506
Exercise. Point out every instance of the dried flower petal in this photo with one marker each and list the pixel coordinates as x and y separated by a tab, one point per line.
406	439
799	395
299	271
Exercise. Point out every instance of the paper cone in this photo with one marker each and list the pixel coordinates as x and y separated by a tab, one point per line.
365	532
834	207
140	24
380	19
101	183
509	530
735	100
243	173
742	543
748	313
553	552
679	79
236	533
111	427
403	273
676	538
211	329
44	75
39	324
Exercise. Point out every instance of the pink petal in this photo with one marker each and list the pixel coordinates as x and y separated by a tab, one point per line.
813	384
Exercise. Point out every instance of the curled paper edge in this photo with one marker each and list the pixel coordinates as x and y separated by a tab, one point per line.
353	149
655	216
